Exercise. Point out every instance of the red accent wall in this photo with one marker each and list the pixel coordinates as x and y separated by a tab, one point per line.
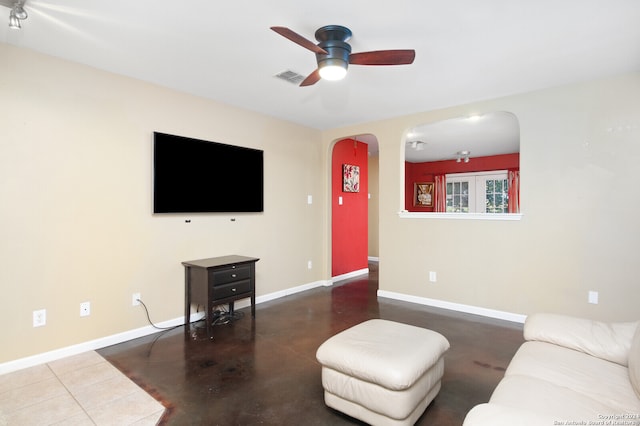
349	221
425	172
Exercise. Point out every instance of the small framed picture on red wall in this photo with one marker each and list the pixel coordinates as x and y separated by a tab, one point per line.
423	194
350	178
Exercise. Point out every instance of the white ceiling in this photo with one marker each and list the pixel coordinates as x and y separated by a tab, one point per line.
466	50
493	133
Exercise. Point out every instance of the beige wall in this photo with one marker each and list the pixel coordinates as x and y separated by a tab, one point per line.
75	209
580	203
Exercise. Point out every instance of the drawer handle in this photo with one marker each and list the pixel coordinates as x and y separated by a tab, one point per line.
233	290
233	275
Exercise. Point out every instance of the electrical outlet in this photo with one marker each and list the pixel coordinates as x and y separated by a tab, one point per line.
593	297
309	264
433	276
85	309
135	299
39	317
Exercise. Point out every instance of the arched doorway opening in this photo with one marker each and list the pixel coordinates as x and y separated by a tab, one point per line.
352	199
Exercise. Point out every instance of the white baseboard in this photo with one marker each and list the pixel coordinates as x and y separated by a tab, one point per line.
114	339
469	309
350	275
102	342
283	293
91	345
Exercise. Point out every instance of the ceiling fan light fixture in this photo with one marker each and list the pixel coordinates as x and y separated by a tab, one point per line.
333	69
333	53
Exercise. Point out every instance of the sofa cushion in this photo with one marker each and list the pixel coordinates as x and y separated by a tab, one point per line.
551	399
584	375
502	415
634	362
609	341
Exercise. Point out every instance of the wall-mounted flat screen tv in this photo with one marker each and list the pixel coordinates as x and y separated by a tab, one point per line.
197	176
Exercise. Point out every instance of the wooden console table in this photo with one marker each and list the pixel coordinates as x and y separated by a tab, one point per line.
216	281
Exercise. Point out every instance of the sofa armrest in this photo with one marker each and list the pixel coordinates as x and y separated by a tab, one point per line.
491	414
608	341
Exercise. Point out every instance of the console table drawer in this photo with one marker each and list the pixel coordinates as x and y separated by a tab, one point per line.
230	275
230	290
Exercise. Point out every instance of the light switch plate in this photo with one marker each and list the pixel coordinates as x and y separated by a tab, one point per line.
39	317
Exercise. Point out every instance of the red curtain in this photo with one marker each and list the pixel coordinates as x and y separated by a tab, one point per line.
441	194
514	191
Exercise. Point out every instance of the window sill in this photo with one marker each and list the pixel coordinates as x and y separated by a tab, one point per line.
464	216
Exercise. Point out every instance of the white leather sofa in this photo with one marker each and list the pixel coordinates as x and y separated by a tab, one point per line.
569	371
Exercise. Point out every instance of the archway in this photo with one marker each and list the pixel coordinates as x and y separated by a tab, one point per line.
350	195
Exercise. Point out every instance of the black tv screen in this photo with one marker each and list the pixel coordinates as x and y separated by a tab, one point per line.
197	176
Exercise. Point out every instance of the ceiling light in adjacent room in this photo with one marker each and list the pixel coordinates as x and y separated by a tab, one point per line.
462	156
417	145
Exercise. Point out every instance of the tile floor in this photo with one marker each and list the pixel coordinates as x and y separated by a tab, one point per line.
80	390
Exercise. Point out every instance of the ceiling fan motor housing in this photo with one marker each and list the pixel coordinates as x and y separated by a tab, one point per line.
333	53
333	39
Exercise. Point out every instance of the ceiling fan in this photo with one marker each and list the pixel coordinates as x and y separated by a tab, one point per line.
333	53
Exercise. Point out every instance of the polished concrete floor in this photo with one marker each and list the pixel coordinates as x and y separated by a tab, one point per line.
264	370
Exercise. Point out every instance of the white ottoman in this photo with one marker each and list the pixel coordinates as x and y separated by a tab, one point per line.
382	372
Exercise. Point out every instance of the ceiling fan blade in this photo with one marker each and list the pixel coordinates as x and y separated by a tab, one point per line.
383	57
311	79
298	39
